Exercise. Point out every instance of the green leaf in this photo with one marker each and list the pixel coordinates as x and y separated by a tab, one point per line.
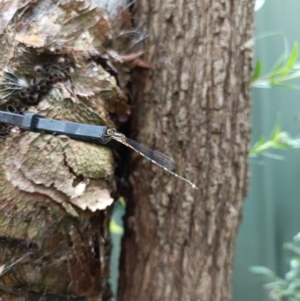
276	131
293	57
281	146
295	263
294	285
263	271
287	293
292	247
261	83
290	275
278	65
290	62
278	284
257	70
260	142
296	237
257	145
297	66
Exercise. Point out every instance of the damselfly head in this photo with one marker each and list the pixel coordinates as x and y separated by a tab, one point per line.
110	132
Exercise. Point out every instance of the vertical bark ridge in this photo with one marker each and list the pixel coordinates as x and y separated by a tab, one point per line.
194	106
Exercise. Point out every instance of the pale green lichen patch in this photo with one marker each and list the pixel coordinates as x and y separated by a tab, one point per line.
59	167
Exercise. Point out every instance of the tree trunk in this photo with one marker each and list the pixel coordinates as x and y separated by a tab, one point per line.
53	235
194	106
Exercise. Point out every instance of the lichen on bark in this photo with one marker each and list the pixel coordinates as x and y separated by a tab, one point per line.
54	61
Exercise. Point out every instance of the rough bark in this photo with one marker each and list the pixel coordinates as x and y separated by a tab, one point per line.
194	106
53	235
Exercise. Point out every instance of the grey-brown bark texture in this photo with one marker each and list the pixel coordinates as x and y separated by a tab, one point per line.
193	105
53	234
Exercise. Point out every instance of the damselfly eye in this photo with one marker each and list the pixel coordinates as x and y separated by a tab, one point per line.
110	132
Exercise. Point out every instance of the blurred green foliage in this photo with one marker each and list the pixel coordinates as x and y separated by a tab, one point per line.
288	287
278	140
287	68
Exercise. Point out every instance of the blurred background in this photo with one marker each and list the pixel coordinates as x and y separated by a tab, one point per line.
272	209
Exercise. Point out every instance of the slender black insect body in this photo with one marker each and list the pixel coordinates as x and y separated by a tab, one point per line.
155	157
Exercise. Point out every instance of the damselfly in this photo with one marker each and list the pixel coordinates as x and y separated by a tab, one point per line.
157	158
